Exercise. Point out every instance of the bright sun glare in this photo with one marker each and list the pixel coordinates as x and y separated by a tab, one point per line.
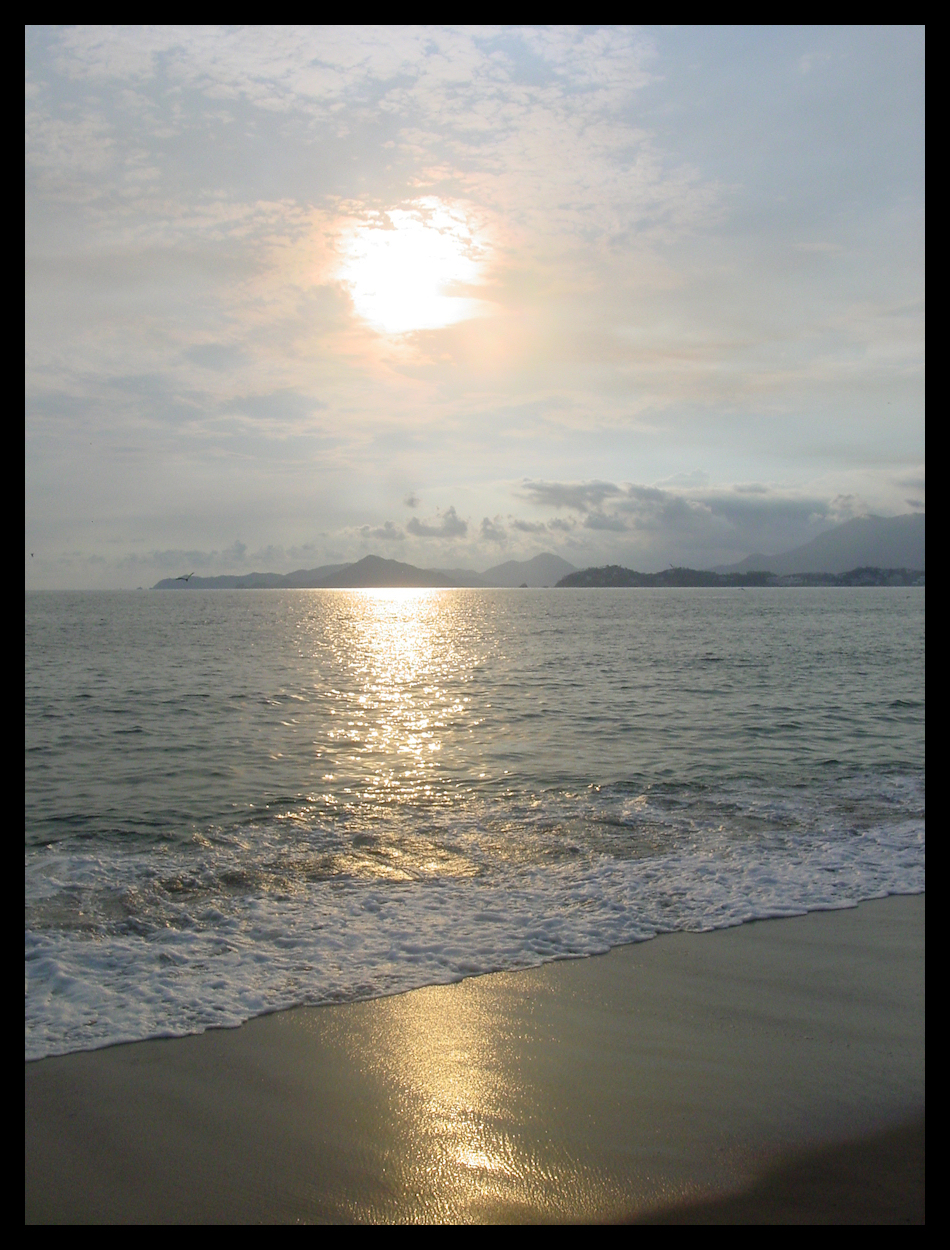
413	268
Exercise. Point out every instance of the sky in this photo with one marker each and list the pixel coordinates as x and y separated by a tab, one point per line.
460	296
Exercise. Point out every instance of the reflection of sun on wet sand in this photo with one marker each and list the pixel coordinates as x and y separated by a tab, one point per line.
662	1074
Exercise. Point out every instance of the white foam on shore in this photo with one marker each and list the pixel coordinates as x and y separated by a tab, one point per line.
151	945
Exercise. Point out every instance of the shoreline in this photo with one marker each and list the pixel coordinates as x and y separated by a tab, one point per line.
622	1086
436	984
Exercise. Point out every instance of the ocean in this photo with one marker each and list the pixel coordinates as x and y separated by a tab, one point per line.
241	801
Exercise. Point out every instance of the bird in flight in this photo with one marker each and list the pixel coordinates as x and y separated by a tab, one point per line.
185	578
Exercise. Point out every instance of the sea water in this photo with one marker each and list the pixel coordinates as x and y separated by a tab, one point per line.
240	801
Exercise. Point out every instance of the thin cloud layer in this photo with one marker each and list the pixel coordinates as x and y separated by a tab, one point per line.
289	282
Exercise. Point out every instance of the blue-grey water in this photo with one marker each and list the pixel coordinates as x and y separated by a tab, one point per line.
239	801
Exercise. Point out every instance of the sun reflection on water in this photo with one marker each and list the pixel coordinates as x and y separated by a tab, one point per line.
395	712
410	660
398	704
459	1087
478	1136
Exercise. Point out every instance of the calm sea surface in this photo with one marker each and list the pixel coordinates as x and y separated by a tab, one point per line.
238	801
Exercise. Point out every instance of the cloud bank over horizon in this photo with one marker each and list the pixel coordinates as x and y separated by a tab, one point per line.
630	295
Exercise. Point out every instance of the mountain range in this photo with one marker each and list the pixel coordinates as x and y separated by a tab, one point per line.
866	542
374	571
894	542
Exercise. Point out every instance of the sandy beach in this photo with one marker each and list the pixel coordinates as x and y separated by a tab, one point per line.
770	1072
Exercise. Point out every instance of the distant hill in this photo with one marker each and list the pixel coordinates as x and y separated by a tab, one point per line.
374	571
252	581
543	570
877	542
617	576
463	577
304	578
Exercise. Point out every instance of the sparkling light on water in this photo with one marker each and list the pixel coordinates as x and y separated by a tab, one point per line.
240	801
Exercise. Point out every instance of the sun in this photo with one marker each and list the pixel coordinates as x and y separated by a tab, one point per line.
414	268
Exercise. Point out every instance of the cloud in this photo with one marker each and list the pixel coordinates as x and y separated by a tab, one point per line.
450	526
493	532
217	356
698	525
236	552
697	478
581	496
480	111
177	558
388	533
604	521
694	255
283	405
914	479
845	507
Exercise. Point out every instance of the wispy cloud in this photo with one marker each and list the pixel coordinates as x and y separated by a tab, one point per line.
696	261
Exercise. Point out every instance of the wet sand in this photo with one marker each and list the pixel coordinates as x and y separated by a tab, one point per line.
660	1082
